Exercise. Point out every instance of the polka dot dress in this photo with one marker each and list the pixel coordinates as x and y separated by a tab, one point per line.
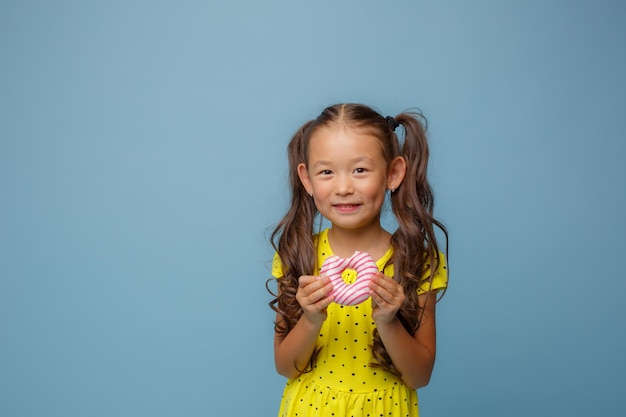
342	382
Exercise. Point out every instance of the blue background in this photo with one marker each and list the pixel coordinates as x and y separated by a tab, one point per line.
142	166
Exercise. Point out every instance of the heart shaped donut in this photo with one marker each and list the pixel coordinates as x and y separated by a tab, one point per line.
358	291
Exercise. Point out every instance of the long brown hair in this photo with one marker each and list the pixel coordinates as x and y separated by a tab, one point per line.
415	249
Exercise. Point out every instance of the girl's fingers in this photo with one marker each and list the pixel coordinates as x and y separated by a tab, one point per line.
320	294
384	286
305	280
313	290
312	282
385	282
386	291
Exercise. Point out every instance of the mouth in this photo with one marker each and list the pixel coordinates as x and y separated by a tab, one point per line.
346	206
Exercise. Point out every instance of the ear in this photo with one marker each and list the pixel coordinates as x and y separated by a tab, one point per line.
397	171
305	178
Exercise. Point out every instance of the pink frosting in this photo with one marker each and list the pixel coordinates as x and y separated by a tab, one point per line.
358	291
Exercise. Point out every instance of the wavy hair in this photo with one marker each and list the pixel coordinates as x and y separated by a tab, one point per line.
415	249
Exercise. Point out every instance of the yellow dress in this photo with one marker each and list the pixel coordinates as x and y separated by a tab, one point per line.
342	382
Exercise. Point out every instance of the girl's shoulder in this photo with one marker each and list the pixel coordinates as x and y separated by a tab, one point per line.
320	242
439	280
436	283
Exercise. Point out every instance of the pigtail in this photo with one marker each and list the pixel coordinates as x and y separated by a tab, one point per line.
413	203
292	240
416	252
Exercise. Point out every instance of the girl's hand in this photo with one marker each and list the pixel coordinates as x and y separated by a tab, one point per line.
313	296
387	298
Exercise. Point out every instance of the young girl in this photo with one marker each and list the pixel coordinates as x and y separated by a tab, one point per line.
367	359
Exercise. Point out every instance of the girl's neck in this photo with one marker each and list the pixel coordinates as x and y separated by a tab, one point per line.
344	243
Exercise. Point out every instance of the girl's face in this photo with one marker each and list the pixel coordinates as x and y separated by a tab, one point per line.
348	176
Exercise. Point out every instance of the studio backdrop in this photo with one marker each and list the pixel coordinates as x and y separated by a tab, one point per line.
143	167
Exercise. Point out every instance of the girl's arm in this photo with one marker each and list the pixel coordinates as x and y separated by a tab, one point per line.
413	355
293	352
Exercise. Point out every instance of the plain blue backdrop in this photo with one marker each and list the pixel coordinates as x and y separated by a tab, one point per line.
142	166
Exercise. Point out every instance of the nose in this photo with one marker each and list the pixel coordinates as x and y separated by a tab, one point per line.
343	185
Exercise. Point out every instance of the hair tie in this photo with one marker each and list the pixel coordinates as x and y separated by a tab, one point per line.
392	123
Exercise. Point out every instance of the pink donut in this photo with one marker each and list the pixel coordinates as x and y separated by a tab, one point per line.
358	291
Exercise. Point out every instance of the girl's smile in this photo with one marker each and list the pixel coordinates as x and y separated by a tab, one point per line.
346	208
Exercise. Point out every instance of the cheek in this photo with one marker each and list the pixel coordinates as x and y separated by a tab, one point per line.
321	188
377	191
